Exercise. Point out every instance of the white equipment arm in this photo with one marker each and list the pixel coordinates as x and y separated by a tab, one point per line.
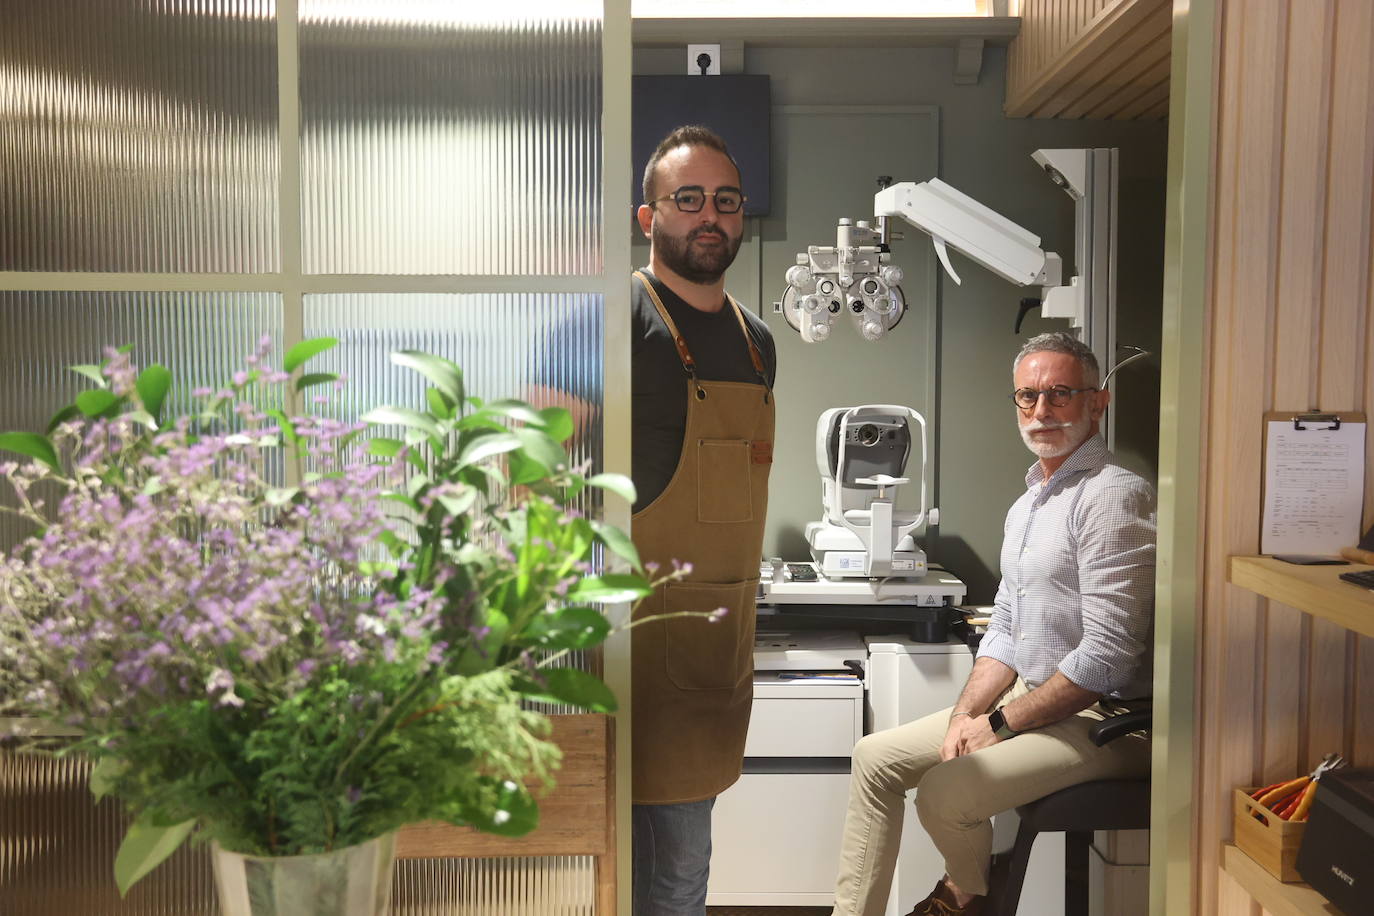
952	218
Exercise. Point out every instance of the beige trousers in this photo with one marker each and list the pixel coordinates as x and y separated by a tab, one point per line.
956	799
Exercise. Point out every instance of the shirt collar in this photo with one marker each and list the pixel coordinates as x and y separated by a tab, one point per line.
1091	454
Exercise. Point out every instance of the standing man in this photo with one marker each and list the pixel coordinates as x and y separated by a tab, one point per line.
1068	645
702	373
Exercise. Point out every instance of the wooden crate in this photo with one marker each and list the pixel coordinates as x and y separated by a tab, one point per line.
1265	837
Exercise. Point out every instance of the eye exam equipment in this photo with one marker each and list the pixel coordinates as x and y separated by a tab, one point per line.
855	276
862	454
866	564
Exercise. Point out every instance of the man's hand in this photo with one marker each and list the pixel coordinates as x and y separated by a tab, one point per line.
967	734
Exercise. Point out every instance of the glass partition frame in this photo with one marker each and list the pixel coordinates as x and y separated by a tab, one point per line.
292	283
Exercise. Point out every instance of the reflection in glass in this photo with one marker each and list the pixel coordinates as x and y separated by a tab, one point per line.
540	347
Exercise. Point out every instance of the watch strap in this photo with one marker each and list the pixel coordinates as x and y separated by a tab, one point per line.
998	722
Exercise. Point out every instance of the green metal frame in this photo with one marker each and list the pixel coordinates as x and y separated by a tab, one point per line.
1187	246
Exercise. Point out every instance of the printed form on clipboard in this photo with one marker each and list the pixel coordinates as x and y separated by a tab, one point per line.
1313	481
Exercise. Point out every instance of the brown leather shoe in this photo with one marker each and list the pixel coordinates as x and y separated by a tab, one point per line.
941	902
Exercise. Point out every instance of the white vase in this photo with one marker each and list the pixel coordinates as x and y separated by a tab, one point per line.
353	881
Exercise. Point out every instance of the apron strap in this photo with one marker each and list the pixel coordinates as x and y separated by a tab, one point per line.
754	353
684	353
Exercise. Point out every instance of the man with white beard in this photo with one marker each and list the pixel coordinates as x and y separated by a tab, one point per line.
1068	645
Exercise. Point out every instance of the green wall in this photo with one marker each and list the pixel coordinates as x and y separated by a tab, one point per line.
964	344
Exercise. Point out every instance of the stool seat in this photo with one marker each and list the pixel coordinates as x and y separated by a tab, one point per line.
1077	811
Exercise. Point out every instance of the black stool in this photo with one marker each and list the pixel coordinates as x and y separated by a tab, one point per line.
1078	811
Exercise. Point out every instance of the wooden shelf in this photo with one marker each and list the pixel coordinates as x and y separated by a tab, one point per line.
1271	893
1316	590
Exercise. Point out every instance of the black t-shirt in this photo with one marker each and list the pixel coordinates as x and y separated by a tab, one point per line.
659	382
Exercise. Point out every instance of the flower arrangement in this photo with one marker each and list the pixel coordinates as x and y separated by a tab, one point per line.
276	633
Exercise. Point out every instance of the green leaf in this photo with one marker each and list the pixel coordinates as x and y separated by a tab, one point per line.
104	774
618	484
93	373
280	496
609	589
403	416
536	444
439	405
514	811
94	402
487	446
144	848
383	447
445	375
403	499
306	349
460	504
143	417
525	470
516	410
570	628
62	416
557	422
315	378
33	445
153	384
618	542
288	429
578	688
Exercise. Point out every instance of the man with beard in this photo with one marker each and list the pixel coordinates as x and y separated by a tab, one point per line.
702	371
1068	645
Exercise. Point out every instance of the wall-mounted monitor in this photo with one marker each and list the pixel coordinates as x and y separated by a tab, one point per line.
736	106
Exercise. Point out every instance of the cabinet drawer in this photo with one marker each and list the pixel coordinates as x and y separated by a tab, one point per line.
804	727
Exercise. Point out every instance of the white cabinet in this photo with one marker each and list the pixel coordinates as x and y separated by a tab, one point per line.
776	832
906	681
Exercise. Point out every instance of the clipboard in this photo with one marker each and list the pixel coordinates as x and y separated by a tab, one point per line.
1313	481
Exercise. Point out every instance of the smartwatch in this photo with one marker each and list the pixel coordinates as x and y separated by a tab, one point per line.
1000	728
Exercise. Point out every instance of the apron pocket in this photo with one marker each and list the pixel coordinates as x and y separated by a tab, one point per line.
701	654
723	480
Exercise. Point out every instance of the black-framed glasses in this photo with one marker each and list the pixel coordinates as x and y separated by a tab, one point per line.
1059	396
690	198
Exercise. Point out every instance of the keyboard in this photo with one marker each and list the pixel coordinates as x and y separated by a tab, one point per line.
1364	578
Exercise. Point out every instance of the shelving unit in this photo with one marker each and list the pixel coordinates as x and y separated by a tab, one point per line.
1269	892
1315	590
1319	591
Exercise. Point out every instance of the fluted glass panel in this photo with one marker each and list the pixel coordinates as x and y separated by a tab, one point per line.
57	849
545	348
565	885
442	137
201	337
138	136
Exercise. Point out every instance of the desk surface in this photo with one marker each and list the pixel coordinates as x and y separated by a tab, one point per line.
1316	590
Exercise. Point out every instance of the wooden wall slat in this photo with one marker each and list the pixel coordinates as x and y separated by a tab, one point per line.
1297	711
1355	39
1130	103
1292	286
1069	48
1117	66
1244	256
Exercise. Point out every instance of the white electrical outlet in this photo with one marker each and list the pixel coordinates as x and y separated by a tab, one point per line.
703	60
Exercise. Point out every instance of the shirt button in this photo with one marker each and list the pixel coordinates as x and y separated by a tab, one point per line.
1020	593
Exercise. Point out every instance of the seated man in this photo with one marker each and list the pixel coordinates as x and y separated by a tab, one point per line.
1068	645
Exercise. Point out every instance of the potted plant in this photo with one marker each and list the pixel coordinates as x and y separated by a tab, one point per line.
279	635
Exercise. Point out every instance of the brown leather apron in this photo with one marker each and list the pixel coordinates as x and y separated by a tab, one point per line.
693	679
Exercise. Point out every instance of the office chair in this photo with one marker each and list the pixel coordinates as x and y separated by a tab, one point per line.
1078	811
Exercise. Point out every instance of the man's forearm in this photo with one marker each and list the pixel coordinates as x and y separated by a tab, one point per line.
986	682
1058	698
